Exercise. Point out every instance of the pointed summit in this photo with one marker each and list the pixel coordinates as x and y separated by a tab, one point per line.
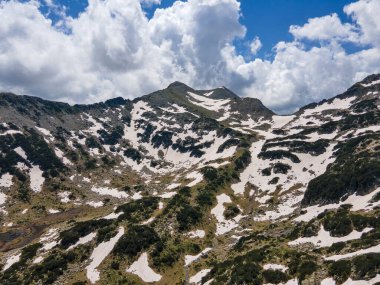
177	84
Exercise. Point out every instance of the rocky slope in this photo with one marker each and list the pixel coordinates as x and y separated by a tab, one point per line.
187	186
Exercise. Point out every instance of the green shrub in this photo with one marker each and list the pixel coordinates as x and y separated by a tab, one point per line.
209	173
281	168
133	154
338	224
81	229
205	198
188	216
138	210
266	171
306	268
231	211
246	273
340	270
243	160
278	154
227	144
166	253
275	276
367	265
136	239
336	247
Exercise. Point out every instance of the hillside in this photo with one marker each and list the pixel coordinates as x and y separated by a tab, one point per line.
187	186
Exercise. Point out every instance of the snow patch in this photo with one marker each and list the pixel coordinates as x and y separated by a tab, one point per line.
109	192
6	180
324	239
142	269
373	249
272	266
112	216
358	203
208	103
21	152
173	186
12	260
53	211
197	278
64	196
223	226
95	204
99	254
36	178
83	240
196	234
191	258
371	83
197	176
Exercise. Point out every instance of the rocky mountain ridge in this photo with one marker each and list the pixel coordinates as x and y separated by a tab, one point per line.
187	186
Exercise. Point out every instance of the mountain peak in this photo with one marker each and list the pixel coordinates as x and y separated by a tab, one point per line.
372	79
177	84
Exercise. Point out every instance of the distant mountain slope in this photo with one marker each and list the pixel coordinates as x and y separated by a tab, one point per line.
185	186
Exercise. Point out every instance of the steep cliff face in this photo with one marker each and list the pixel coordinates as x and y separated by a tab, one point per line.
187	186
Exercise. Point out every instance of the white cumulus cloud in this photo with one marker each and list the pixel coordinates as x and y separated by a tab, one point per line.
113	49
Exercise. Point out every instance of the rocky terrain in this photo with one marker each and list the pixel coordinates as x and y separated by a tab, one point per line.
187	186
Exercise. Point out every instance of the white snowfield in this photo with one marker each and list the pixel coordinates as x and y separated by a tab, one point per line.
173	186
371	83
208	103
349	281
189	259
59	153
252	168
21	152
12	260
196	234
336	104
112	216
35	172
36	178
6	180
175	159
167	195
49	235
358	203
47	134
106	191
274	266
148	221
197	278
373	249
96	126
224	226
99	254
10	132
48	240
83	240
196	176
142	269
53	211
175	109
95	204
367	129
324	239
64	196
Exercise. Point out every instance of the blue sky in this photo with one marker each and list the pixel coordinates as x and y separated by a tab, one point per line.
268	19
287	53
